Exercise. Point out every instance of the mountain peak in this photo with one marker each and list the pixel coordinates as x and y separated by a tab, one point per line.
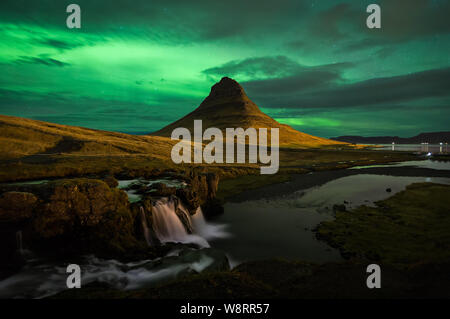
225	89
227	86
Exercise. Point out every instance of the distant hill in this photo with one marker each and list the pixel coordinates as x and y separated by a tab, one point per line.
432	138
228	106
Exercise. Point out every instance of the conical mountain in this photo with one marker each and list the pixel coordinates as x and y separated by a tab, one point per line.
228	106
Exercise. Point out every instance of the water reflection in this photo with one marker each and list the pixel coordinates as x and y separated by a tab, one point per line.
430	164
282	226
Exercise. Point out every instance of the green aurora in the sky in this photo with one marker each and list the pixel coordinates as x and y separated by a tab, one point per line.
136	66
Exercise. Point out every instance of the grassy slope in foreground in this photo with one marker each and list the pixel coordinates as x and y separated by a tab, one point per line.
412	226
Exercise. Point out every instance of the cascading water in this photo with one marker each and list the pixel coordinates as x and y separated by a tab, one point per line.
145	228
168	226
205	229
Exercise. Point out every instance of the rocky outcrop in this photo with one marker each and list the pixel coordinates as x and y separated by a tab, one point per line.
71	216
17	206
143	223
202	189
76	203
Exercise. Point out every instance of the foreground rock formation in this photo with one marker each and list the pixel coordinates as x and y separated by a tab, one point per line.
76	216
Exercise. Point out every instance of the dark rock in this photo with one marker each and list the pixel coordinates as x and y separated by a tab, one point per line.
189	198
202	188
143	224
339	208
182	215
17	206
213	184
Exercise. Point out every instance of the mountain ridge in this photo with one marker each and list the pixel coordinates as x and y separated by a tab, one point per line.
430	137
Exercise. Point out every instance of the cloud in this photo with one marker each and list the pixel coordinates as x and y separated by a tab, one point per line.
300	79
257	67
279	74
179	21
409	87
344	25
411	19
61	45
329	23
41	60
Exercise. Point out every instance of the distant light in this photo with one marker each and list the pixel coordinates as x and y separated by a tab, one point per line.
440	143
429	154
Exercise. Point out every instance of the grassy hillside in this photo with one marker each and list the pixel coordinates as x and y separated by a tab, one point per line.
23	137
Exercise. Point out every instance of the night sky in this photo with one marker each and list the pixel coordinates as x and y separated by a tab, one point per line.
136	66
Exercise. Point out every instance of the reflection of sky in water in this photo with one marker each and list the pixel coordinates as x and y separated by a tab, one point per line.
355	190
281	226
423	164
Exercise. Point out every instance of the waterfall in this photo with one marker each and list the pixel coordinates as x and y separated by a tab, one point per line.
172	222
145	228
167	224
